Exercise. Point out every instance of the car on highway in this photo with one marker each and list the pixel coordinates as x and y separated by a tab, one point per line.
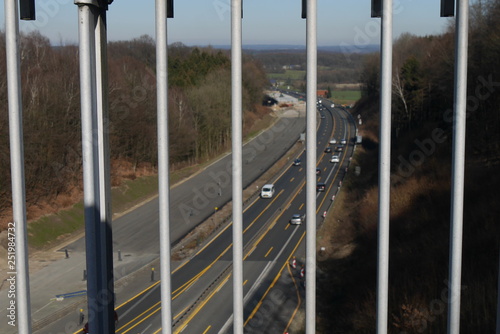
320	186
339	149
297	219
267	191
328	149
318	171
335	158
343	142
333	141
297	162
322	116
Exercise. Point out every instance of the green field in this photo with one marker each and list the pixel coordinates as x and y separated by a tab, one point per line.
289	74
345	96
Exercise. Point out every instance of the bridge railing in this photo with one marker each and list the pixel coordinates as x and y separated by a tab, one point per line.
93	72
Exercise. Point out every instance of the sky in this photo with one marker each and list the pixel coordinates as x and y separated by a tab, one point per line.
207	22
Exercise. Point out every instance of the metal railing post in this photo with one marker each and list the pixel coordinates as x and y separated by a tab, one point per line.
21	270
95	153
458	165
311	136
163	163
237	177
498	298
106	239
384	167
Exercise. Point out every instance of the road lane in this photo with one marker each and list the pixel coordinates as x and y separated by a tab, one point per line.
258	260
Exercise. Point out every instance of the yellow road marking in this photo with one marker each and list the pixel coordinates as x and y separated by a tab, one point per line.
269	251
201	305
299	300
190	282
273	223
274	281
140	315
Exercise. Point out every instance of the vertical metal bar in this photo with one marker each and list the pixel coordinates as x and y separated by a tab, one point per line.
458	165
88	104
21	271
311	138
237	177
384	167
106	238
100	298
498	298
163	163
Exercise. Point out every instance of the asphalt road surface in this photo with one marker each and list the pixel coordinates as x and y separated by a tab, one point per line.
202	286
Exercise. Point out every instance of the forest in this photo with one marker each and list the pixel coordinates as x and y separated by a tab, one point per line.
199	112
333	67
422	132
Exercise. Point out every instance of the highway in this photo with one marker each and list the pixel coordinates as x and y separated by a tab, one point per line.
268	256
202	286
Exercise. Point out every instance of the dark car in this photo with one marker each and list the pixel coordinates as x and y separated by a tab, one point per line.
328	150
339	149
318	171
297	162
320	187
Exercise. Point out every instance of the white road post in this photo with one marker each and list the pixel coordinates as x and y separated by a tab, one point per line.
163	163
311	136
458	165
384	167
21	270
237	120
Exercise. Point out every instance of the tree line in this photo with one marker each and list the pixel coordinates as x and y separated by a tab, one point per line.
333	67
421	189
423	78
199	109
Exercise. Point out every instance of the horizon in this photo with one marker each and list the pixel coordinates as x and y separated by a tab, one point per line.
208	23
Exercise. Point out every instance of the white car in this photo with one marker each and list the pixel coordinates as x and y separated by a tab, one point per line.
343	142
267	191
297	219
333	141
335	158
